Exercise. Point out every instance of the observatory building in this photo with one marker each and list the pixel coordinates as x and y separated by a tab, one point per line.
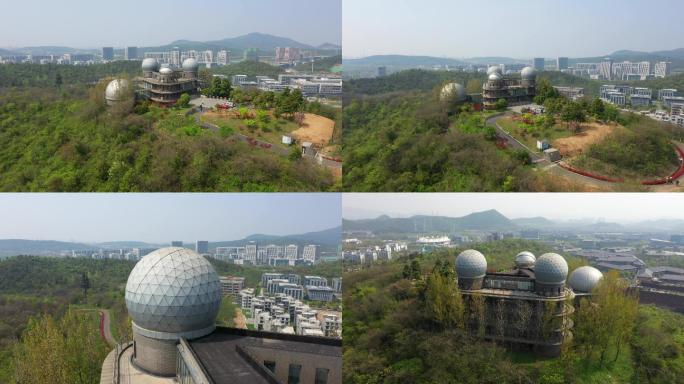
116	91
527	306
164	85
514	91
173	297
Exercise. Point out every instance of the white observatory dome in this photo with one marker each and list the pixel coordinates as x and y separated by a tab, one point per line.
173	291
495	76
494	69
471	264
528	73
190	65
150	65
551	268
115	90
525	259
584	279
453	92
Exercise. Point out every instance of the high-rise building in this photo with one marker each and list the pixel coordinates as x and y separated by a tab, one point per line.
382	71
539	63
605	69
131	53
291	252
202	247
310	253
223	57
107	53
251	54
561	63
177	243
287	55
251	253
662	69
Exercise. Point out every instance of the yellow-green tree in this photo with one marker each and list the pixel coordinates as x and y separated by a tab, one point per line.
443	301
67	350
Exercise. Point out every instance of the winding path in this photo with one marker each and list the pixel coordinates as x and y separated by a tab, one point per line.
542	163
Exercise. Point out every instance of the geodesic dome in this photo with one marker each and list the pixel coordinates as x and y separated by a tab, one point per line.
525	259
471	264
551	268
453	92
116	90
494	69
528	73
584	279
173	290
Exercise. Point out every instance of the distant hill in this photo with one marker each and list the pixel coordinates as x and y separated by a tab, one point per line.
533	222
19	246
329	47
263	42
400	61
11	247
487	220
329	237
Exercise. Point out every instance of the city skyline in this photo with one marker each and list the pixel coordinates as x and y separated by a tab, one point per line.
161	218
146	24
557	206
521	29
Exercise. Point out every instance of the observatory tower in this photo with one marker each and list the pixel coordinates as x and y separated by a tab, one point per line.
172	293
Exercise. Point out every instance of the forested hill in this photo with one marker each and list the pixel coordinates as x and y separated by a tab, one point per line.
410	80
490	220
424	80
45	75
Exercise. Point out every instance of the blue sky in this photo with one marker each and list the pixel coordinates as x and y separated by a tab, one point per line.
621	207
519	29
93	24
94	217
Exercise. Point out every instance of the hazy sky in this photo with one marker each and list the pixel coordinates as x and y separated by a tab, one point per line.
623	207
160	218
93	24
518	29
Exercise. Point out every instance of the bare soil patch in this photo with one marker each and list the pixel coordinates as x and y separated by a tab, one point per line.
315	129
592	133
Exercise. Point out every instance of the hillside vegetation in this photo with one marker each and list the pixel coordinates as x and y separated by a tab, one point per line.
38	75
70	141
42	296
405	142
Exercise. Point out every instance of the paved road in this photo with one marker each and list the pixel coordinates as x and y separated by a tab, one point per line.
106	329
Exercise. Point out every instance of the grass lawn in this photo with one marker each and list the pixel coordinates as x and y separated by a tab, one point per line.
226	312
529	134
271	132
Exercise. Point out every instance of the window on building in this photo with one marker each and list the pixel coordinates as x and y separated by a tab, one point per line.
270	365
293	375
321	376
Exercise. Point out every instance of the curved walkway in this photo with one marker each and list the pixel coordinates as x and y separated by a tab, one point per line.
564	170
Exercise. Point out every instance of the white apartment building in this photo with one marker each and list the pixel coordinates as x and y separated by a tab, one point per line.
223	57
662	69
310	253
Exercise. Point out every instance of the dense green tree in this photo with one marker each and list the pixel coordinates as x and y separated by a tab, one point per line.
183	101
501	104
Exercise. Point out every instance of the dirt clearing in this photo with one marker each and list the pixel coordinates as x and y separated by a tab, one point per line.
315	129
591	133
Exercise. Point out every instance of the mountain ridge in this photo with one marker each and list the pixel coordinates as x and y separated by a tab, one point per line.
261	41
